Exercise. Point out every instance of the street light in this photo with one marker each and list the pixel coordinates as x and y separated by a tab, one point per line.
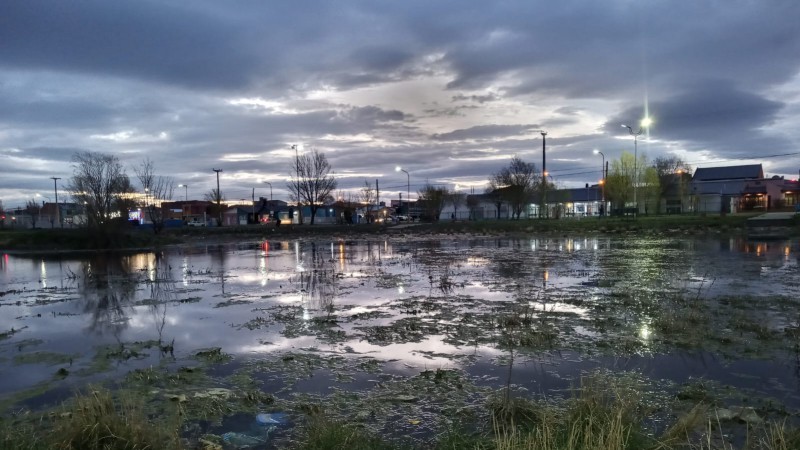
408	189
55	188
270	190
642	126
219	199
185	191
543	212
602	179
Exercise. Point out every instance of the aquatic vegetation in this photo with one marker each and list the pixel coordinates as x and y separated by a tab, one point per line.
416	339
94	420
213	355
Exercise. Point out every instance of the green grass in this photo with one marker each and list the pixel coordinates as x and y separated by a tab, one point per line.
93	421
324	434
606	412
80	239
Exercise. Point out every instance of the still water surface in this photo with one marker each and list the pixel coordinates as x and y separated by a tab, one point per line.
408	304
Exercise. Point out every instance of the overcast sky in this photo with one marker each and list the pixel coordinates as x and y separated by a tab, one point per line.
450	90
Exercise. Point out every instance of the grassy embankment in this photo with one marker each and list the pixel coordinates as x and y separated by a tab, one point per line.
604	413
79	239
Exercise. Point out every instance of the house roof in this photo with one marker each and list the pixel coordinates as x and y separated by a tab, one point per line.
592	194
723	187
745	172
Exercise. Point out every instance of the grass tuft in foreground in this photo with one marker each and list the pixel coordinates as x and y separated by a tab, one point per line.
94	421
324	434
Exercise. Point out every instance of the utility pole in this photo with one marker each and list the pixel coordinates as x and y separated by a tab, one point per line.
544	173
644	124
298	183
254	206
55	188
219	199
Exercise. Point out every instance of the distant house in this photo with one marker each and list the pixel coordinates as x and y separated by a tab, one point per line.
577	202
238	215
66	215
268	211
737	188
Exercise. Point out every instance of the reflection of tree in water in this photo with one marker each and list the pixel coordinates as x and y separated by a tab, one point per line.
219	258
108	287
317	280
437	262
162	292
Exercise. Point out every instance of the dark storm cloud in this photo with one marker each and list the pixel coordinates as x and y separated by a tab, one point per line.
76	113
713	114
599	48
155	41
485	132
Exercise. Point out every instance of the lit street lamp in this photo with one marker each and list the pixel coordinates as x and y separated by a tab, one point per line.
602	179
185	191
408	189
644	124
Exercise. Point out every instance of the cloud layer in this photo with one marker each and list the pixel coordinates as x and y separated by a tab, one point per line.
448	90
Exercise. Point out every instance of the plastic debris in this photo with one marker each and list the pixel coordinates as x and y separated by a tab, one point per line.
241	440
270	418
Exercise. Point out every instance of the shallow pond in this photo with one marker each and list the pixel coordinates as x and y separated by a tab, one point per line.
400	331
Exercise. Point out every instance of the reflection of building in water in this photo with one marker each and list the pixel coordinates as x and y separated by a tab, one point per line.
771	249
316	277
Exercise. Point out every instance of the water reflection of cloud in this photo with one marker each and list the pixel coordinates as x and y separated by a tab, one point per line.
335	278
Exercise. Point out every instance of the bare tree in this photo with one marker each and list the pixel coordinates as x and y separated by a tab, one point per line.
311	181
367	193
457	200
516	184
672	173
431	198
157	188
100	184
472	204
33	209
217	199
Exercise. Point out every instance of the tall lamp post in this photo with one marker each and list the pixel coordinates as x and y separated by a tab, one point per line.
219	199
408	190
544	174
602	180
185	191
55	188
642	126
270	189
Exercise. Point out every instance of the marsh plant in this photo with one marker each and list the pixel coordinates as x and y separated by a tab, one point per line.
95	421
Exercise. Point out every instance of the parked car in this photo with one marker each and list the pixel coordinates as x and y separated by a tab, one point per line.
196	223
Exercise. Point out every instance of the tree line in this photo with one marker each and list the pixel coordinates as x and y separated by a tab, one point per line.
101	184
